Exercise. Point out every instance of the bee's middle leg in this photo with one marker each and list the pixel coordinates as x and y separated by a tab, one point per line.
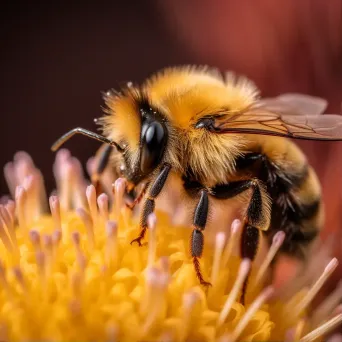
149	204
197	238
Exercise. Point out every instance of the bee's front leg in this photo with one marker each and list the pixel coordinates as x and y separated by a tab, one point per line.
139	197
149	204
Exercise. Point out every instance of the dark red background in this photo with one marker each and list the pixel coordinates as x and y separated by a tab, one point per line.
56	58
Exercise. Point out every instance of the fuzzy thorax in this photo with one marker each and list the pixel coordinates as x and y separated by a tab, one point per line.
181	97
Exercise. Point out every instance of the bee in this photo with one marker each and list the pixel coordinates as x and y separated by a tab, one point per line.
222	140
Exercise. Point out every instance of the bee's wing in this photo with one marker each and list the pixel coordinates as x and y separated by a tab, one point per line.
294	104
263	121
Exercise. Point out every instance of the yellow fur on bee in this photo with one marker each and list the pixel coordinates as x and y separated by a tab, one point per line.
184	95
310	189
187	94
212	156
122	121
283	151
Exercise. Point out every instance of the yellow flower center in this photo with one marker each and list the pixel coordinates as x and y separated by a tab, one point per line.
73	276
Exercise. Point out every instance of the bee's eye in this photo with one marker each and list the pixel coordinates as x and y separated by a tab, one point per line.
153	141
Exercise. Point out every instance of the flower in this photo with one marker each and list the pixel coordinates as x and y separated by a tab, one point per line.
73	275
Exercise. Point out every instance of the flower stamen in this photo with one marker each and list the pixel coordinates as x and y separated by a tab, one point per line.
32	205
219	245
20	278
5	238
152	241
88	223
327	306
190	300
254	307
298	331
55	211
20	199
91	198
243	272
80	257
10	207
111	245
298	309
35	240
277	241
119	191
159	286
102	202
232	241
323	329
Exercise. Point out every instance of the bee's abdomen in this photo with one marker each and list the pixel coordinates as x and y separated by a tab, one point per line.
296	201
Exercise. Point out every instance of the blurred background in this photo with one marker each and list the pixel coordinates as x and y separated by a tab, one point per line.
57	58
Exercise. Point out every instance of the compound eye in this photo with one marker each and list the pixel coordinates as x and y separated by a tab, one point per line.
153	145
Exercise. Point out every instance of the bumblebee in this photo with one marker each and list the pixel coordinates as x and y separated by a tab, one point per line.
216	134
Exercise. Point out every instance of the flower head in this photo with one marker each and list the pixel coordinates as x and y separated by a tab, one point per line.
73	275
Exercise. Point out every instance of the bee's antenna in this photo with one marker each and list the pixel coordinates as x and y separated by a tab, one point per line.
87	133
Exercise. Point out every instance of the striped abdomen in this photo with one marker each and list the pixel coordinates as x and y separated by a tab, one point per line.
296	195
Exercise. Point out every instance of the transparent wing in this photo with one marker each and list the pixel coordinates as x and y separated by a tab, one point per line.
258	121
294	104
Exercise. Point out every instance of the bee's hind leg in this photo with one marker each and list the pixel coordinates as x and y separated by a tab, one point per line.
149	204
257	216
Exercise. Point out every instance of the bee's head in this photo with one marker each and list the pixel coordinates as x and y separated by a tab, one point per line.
142	132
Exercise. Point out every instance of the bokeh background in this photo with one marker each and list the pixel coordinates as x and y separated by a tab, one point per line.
57	58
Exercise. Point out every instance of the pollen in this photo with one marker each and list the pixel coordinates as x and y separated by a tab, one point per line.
69	273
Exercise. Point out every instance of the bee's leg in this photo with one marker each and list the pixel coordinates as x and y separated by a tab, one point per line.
197	238
149	204
139	197
257	216
102	157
